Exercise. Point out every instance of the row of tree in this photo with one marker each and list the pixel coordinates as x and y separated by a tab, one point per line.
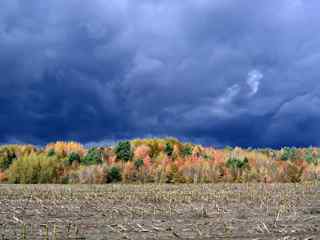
155	160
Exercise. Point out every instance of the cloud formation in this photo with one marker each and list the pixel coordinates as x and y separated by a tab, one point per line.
253	80
213	72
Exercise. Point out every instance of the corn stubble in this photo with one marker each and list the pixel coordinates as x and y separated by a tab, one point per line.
153	211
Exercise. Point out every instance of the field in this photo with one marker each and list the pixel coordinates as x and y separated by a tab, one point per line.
117	211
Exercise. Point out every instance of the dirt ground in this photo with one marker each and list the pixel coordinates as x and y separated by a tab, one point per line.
220	211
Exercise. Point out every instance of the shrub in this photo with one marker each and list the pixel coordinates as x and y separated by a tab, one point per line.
93	174
73	157
123	151
186	151
114	175
288	153
312	158
236	163
3	177
294	172
168	149
129	173
8	153
94	156
174	175
34	169
51	152
206	156
138	163
237	166
311	173
7	156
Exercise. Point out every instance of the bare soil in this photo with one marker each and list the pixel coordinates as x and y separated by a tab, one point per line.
212	211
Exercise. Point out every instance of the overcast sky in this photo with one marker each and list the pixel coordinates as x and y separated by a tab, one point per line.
216	72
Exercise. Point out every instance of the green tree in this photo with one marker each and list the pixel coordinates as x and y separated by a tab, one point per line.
51	152
138	163
7	156
73	157
94	156
237	166
235	163
168	149
288	153
114	175
33	169
123	151
186	150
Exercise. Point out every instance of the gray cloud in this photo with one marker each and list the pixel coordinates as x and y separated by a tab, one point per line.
216	72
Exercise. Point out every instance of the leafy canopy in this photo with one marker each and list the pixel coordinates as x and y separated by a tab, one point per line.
94	156
123	151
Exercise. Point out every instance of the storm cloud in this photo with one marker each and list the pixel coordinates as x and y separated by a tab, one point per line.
220	72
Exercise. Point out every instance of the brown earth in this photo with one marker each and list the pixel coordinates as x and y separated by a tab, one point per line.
221	211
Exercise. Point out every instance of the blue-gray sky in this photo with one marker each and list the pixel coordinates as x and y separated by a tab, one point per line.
217	72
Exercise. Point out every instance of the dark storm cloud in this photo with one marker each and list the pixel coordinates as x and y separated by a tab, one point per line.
214	72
